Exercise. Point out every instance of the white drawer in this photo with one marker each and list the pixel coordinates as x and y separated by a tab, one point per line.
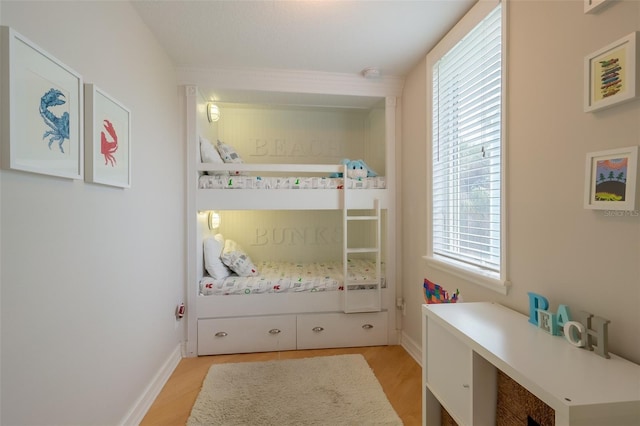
337	330
250	334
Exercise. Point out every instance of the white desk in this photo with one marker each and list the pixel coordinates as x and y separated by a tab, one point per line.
464	343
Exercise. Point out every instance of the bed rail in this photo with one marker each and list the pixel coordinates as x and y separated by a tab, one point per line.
269	167
285	199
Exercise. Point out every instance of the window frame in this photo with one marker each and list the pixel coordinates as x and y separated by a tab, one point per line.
494	281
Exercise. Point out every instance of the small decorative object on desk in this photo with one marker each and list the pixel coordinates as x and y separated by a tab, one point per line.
433	293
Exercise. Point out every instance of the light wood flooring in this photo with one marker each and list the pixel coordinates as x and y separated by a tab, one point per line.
397	372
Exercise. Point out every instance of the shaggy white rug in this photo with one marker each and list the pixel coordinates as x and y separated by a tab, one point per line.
332	390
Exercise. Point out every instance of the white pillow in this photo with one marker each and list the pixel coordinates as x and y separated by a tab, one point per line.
237	260
228	153
209	154
212	262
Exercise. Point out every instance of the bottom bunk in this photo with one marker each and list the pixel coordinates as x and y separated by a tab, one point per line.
244	305
288	306
292	277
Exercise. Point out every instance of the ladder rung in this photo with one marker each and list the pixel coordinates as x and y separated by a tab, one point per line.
363	250
362	218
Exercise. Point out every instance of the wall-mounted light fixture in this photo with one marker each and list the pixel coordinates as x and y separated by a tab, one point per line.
214	220
213	112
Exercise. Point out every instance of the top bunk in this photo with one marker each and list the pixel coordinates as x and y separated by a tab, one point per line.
287	187
270	156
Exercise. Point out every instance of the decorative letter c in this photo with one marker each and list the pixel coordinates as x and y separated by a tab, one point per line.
579	340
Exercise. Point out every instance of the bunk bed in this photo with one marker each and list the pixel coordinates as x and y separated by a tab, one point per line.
271	308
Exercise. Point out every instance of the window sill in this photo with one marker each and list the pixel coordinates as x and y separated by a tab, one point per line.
469	274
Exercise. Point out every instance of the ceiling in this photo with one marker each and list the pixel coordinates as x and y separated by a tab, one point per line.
332	36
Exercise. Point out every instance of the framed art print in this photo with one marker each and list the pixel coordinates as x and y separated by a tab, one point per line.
610	179
42	126
610	74
107	139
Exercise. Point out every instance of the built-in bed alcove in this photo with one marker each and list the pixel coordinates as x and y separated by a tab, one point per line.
287	204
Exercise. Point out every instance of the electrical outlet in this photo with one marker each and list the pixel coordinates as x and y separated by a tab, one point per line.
180	311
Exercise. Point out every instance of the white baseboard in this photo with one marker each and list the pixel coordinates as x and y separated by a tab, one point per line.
151	392
412	347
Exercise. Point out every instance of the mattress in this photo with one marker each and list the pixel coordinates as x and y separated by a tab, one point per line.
269	182
283	277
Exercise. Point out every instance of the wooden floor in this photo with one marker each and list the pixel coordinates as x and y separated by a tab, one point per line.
397	372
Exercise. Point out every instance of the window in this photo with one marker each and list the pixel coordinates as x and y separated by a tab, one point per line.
466	151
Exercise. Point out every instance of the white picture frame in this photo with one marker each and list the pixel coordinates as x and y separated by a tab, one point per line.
610	74
42	108
107	139
610	179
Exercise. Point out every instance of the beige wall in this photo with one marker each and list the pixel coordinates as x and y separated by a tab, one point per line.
582	258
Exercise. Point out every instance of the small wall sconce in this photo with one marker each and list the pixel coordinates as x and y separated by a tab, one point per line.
214	220
213	112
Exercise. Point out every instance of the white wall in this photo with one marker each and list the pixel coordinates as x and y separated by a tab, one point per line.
295	134
91	274
573	256
1	239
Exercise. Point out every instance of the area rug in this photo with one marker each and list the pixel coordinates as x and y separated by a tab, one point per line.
332	390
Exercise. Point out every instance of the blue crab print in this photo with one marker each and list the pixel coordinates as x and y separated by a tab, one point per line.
59	125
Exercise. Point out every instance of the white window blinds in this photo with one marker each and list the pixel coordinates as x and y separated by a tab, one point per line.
466	142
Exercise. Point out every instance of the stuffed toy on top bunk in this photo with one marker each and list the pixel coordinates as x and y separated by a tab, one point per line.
356	169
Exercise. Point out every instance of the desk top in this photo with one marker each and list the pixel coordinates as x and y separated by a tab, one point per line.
557	372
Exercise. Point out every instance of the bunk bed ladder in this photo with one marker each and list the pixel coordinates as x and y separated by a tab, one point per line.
355	298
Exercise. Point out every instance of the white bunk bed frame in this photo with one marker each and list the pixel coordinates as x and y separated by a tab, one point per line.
286	321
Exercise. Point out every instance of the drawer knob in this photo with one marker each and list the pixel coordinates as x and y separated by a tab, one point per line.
367	326
221	334
317	329
274	331
465	386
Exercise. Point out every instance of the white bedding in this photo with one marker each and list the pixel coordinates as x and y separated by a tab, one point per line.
258	182
282	277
